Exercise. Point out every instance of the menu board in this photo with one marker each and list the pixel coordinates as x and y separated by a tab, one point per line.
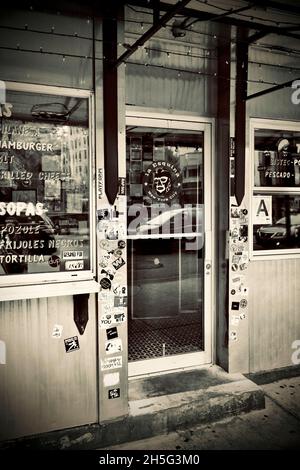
44	196
276	158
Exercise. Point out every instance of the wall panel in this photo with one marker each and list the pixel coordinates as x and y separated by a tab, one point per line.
43	388
274	312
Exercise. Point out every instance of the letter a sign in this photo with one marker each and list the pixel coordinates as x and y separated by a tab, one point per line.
262	210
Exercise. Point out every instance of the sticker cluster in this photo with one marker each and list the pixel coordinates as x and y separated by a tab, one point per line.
111	234
238	262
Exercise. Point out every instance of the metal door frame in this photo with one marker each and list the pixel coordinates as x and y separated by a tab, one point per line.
165	364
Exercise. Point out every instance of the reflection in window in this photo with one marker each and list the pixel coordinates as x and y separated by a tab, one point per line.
276	221
44	197
284	231
276	158
164	176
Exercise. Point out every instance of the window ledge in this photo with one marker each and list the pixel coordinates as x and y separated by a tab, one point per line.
48	290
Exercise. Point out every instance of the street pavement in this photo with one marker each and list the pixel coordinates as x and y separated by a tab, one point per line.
275	427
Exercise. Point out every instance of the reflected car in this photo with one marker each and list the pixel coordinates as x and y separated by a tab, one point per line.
175	221
276	235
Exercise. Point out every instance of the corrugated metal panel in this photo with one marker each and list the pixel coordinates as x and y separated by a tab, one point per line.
49	37
276	105
172	73
43	388
158	88
274	312
274	299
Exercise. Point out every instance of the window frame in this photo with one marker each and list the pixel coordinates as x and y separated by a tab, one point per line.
77	280
268	124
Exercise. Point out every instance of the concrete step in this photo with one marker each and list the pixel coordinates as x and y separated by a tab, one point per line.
159	405
166	403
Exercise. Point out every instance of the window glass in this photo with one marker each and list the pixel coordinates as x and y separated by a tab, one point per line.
164	181
276	158
283	230
276	189
44	185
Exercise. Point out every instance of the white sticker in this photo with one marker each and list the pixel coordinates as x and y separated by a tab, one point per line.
119	316
116	316
73	265
108	304
113	346
72	254
111	363
120	290
109	380
234	222
2	352
236	259
106	296
57	331
238	279
105	321
111	230
235	320
262	210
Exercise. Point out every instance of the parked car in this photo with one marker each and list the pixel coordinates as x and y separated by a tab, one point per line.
184	220
269	236
161	233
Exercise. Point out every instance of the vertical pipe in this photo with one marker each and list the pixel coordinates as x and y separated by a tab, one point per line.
110	101
222	185
240	111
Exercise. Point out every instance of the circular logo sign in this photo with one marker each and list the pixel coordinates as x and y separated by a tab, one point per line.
54	261
162	181
105	283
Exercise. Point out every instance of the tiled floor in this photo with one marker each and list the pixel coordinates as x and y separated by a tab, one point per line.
167	336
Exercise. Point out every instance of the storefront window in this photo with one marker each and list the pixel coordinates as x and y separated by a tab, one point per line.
276	190
44	185
283	231
276	158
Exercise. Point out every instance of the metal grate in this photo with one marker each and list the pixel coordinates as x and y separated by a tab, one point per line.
164	337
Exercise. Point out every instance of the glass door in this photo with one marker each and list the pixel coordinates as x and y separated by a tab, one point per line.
168	167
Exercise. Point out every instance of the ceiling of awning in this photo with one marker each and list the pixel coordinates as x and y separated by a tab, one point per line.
276	16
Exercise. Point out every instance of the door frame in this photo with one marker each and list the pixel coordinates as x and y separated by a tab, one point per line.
144	118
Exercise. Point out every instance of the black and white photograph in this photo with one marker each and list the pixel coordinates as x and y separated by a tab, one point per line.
149	231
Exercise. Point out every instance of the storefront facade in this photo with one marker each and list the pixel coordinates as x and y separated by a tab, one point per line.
148	212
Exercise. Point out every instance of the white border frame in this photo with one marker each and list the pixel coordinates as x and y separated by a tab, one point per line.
144	118
61	277
272	124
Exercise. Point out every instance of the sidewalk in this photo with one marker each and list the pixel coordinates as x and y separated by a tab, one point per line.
275	427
